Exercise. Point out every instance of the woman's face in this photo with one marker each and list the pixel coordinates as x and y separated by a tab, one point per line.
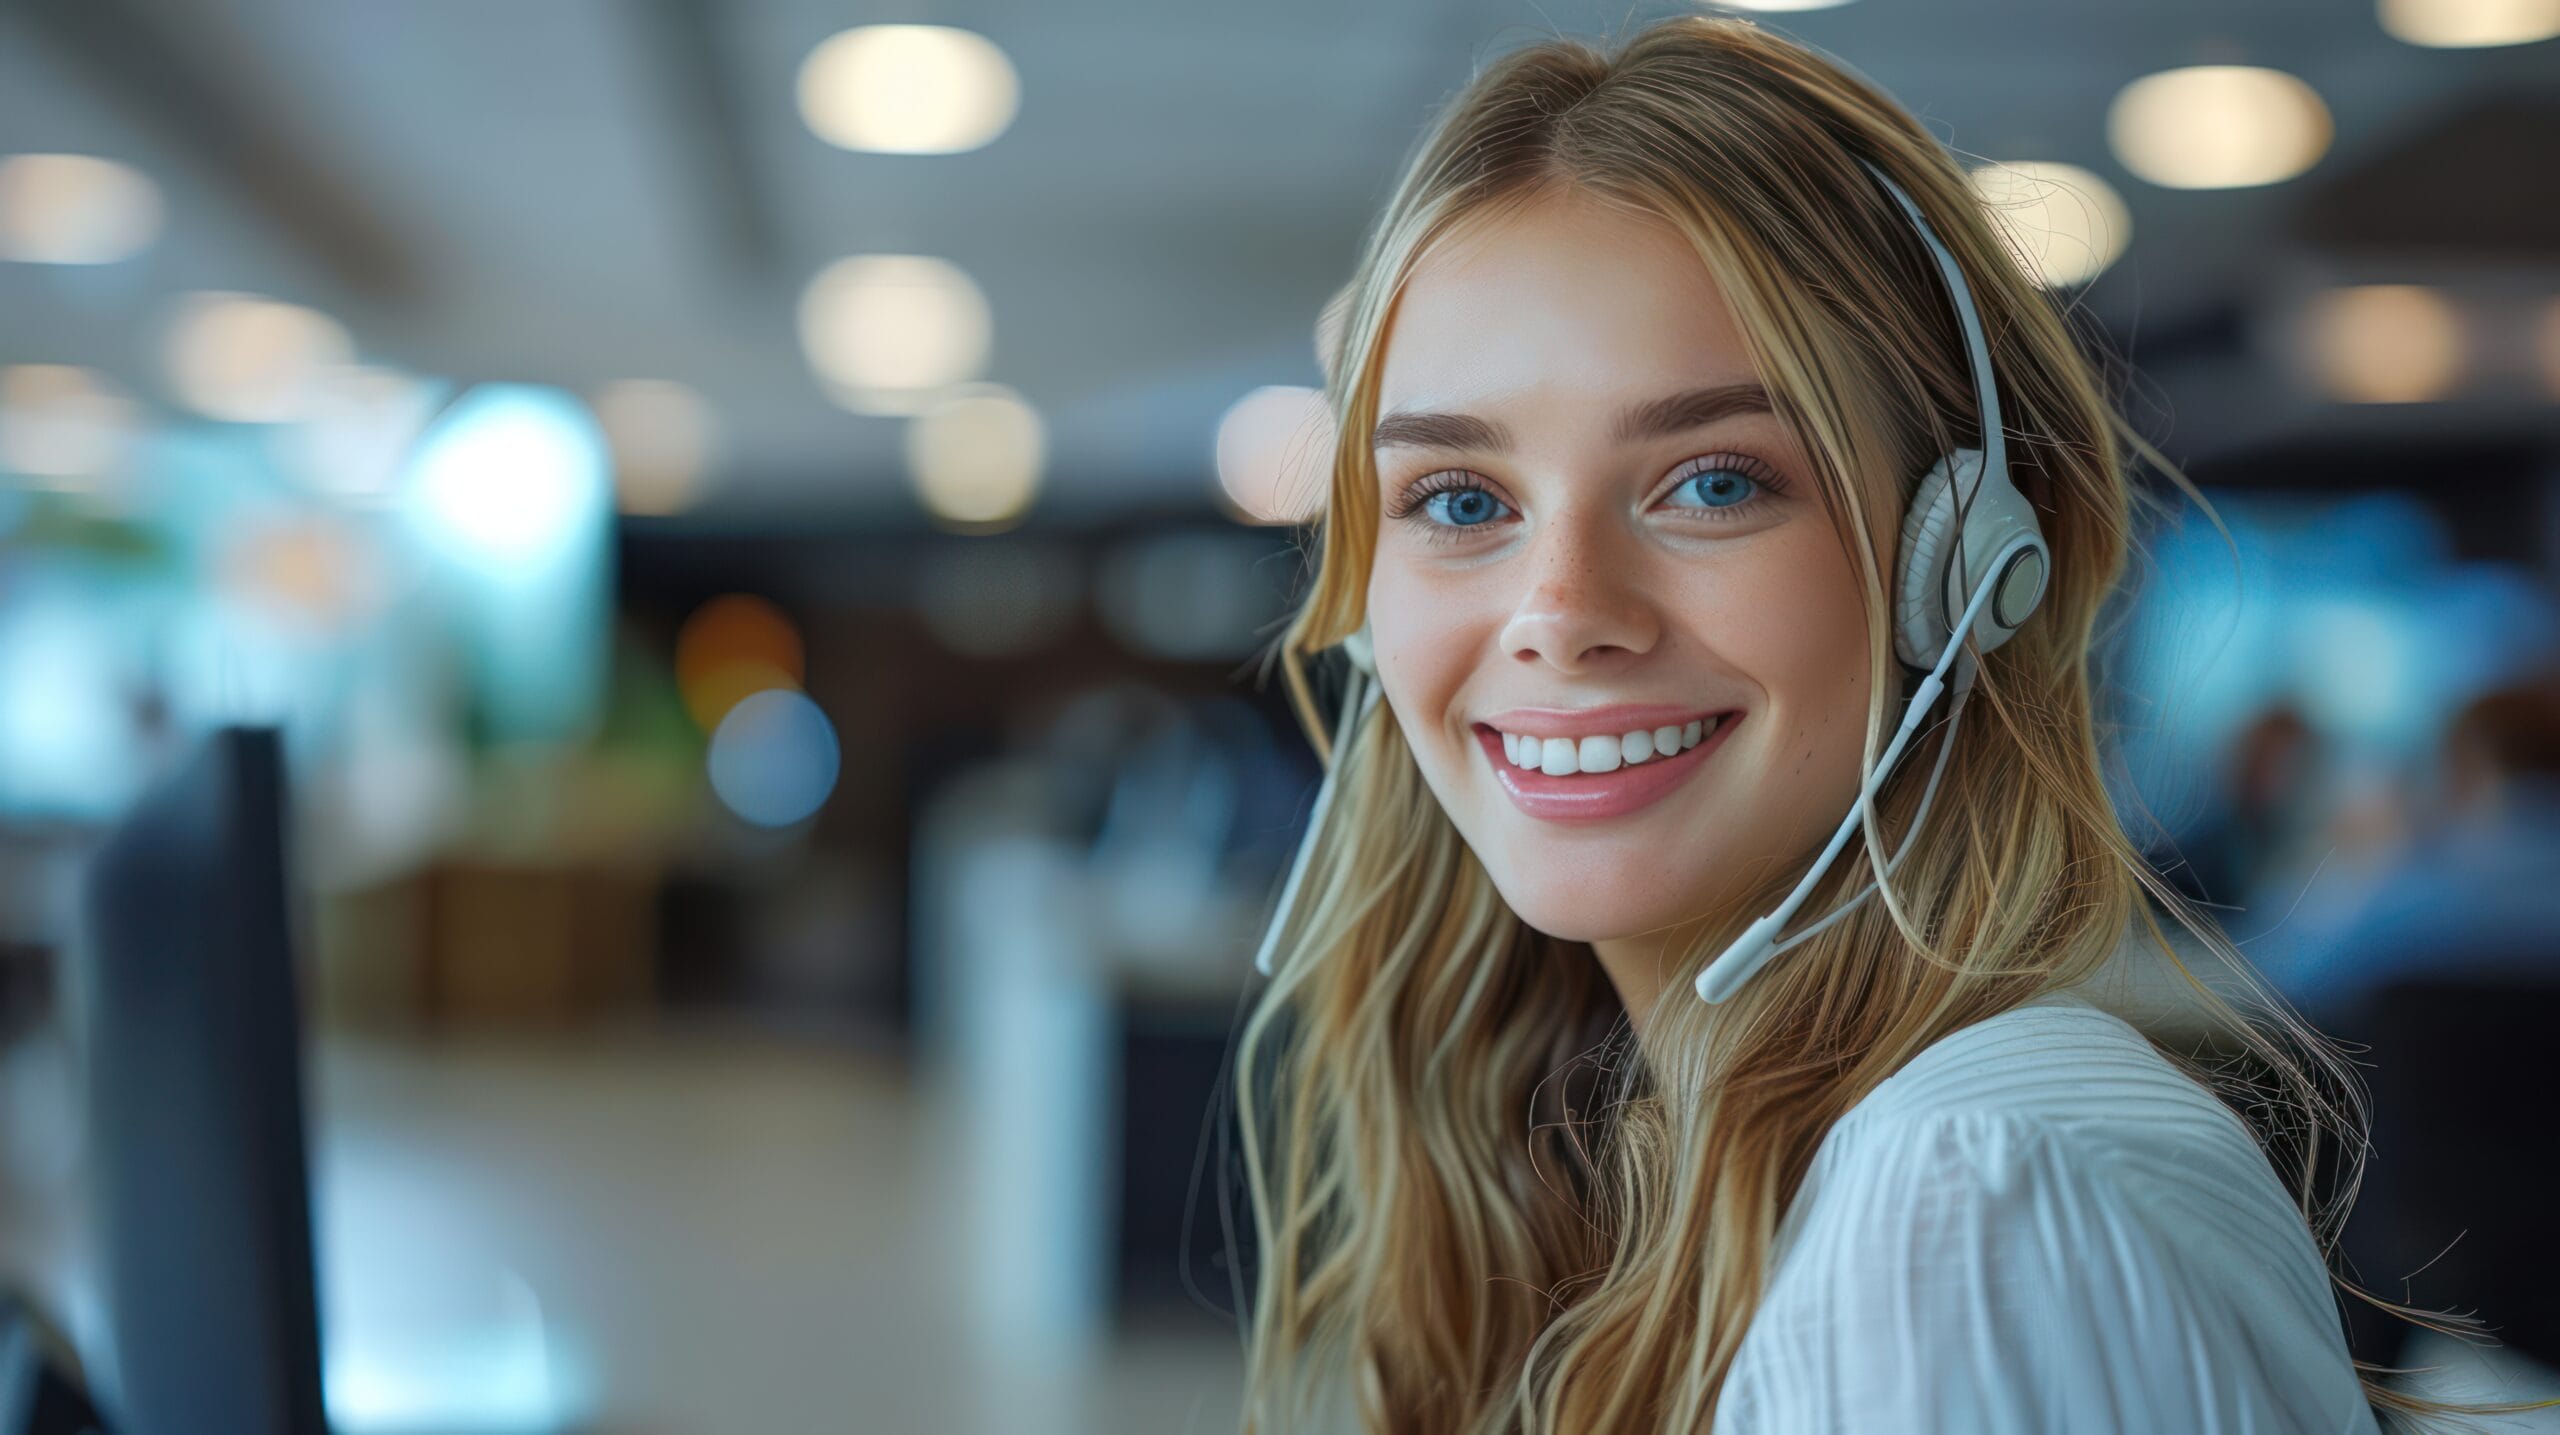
1594	528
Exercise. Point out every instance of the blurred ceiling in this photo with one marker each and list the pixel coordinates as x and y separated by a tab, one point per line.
579	191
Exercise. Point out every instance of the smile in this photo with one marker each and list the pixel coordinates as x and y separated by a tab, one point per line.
1572	780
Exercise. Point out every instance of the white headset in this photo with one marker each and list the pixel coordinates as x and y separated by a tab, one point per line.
1972	562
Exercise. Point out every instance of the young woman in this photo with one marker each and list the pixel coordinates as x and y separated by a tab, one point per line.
1695	428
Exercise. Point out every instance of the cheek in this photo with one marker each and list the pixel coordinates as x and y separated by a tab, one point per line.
1426	641
1804	643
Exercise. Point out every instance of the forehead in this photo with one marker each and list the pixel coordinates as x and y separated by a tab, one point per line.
1568	296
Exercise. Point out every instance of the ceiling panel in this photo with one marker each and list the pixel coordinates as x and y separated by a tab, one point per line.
1183	186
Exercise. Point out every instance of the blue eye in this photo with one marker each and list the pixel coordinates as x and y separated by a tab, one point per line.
1718	488
1463	507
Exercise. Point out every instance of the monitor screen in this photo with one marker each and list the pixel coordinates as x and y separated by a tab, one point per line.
196	1113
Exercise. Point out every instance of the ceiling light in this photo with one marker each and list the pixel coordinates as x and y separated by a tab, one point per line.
660	432
244	358
2384	343
75	209
908	89
2471	24
2218	127
2070	224
975	455
883	331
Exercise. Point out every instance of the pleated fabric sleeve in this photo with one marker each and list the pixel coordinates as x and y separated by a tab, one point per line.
2040	1225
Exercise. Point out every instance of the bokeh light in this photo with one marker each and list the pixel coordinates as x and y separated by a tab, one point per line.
774	759
884	332
511	473
75	209
908	89
661	434
2218	127
2069	223
975	456
64	426
510	501
427	1334
62	724
1275	454
316	572
2384	343
2471	24
244	358
732	648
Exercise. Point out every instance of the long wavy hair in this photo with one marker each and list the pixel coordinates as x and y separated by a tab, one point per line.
1477	1208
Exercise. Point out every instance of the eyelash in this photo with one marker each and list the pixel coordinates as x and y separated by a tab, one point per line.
1421	491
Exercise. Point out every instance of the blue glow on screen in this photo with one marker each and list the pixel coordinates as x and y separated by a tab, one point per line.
2352	611
511	495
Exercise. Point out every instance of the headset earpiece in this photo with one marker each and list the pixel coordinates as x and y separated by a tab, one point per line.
1957	525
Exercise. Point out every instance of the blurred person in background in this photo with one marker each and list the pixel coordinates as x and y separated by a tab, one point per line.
1639	374
2477	897
2271	788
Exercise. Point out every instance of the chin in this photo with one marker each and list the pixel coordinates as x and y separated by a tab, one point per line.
1584	912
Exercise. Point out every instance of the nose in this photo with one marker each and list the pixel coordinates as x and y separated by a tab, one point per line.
1585	604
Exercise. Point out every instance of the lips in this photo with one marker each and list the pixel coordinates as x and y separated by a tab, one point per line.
1597	796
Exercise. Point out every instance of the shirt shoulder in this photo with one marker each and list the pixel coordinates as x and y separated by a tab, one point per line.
2040	1224
2059	1061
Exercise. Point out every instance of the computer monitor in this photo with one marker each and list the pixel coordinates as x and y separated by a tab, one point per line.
195	1108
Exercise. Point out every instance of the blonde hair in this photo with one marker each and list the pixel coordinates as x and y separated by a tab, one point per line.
1476	1211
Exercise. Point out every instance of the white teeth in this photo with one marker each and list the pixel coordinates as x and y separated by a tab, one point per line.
1602	752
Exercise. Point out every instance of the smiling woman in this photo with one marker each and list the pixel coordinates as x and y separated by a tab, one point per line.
1695	431
1595	520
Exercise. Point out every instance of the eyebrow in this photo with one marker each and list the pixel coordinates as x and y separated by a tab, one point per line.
1657	418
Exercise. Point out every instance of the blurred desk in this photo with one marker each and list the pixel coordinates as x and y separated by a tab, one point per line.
475	942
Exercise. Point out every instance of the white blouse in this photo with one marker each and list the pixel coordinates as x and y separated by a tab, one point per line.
2040	1225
